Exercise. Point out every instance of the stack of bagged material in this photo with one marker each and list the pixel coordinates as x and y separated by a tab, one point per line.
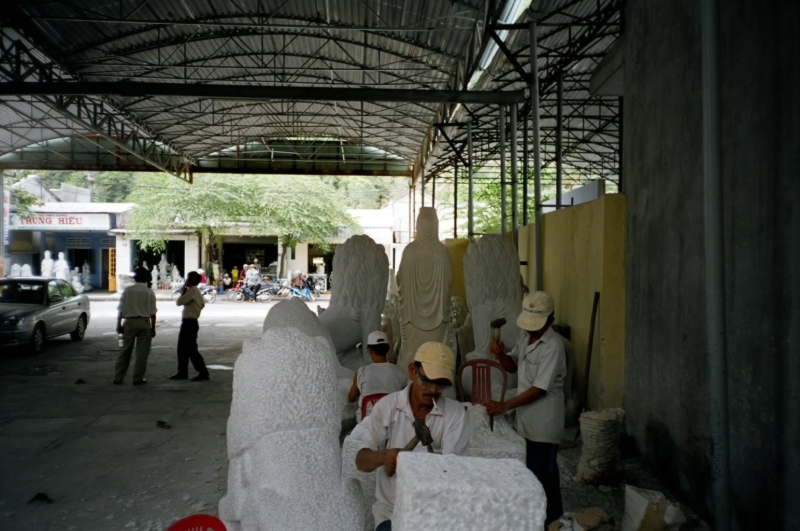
466	493
600	431
283	445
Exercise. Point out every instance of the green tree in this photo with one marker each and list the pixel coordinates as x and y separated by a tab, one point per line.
268	206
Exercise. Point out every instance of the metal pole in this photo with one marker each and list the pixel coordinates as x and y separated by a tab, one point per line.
514	200
537	159
455	200
423	188
470	194
503	209
715	267
3	227
433	196
559	138
524	171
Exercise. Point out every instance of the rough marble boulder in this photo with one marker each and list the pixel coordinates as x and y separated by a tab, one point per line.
502	442
359	279
425	280
364	482
466	493
283	446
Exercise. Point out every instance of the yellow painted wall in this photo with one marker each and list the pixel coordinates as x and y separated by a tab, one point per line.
584	252
458	248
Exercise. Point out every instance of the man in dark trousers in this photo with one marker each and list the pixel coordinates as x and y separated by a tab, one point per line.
192	301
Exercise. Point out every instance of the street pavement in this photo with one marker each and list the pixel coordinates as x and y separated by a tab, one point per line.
95	449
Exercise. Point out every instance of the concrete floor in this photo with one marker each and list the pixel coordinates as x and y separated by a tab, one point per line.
94	448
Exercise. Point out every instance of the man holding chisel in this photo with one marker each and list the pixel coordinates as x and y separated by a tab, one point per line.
542	366
392	424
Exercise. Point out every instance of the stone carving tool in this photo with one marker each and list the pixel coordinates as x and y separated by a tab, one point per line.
422	434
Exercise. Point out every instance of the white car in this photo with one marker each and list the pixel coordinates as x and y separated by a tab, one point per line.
35	309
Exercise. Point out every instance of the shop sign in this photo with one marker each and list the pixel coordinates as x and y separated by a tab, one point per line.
61	222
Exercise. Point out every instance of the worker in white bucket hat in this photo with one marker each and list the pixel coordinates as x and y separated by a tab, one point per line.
540	359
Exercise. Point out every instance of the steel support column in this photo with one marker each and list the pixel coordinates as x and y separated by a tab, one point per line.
524	171
470	191
514	179
503	184
537	157
455	199
715	266
423	188
559	138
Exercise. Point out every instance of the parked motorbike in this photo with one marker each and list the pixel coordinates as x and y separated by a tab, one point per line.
246	294
304	293
208	292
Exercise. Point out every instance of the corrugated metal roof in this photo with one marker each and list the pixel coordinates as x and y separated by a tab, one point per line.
301	43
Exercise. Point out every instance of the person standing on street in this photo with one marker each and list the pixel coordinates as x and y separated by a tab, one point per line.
542	366
137	307
192	301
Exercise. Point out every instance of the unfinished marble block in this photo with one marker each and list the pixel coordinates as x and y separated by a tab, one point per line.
359	279
502	443
294	313
364	481
466	493
283	446
425	280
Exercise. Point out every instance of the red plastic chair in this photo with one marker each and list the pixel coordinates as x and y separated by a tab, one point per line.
369	401
482	380
198	522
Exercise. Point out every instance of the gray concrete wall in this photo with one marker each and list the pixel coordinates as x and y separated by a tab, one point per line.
666	393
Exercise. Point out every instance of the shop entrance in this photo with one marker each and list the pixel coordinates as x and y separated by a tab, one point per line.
174	251
238	254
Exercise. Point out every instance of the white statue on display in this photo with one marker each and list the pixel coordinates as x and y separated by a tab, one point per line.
47	265
154	274
285	469
16	271
163	267
77	285
425	280
494	291
26	270
62	268
144	265
176	275
87	276
359	278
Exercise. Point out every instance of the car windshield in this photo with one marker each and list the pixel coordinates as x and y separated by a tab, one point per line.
21	292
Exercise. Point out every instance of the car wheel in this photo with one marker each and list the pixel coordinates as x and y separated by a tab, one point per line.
80	329
38	339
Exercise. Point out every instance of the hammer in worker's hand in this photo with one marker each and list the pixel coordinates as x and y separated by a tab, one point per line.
422	434
496	325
